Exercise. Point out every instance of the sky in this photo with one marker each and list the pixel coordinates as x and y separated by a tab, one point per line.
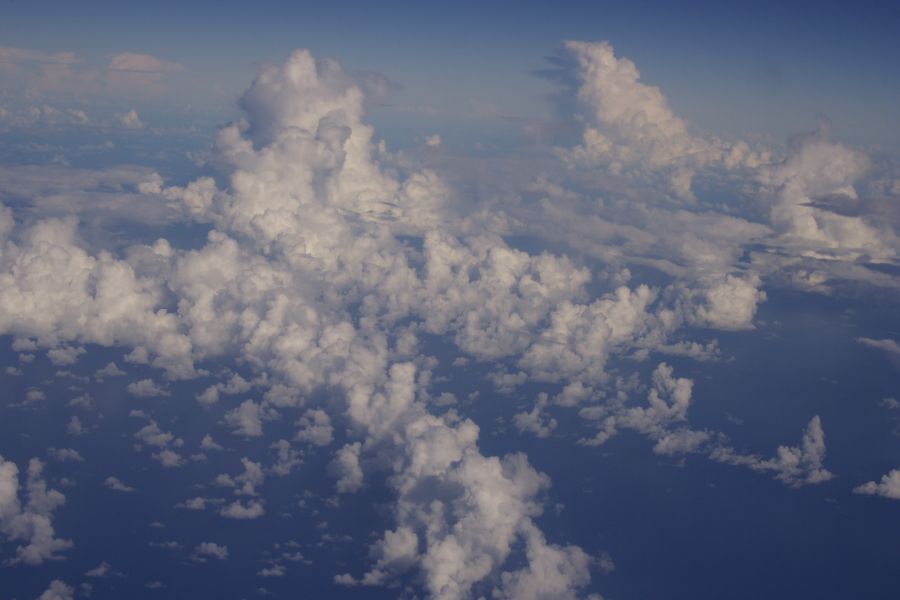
418	300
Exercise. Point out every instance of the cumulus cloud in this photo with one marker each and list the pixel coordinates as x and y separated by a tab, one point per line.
30	523
114	483
58	590
130	120
206	550
794	465
146	388
888	487
240	510
246	419
315	428
64	454
629	124
328	261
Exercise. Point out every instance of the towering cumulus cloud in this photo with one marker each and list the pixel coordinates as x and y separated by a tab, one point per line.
629	124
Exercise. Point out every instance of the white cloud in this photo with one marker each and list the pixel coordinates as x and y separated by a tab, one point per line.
287	458
206	550
207	443
246	482
239	510
889	486
169	459
146	388
315	428
536	421
346	469
104	569
130	120
114	483
629	124
131	61
64	454
32	523
246	419
793	465
110	370
152	435
58	590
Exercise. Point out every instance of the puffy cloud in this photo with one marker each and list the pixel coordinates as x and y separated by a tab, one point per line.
169	459
53	289
246	482
326	260
889	486
793	465
146	388
315	428
730	303
207	443
206	550
246	419
152	435
552	572
58	590
110	370
239	510
114	483
346	469
536	421
64	454
31	523
287	458
629	124
104	569
130	120
814	169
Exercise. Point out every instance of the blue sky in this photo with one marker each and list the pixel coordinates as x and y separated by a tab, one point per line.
732	68
526	301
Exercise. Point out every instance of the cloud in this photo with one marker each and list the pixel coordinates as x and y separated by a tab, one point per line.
246	419
629	124
240	510
104	569
58	590
329	263
889	346
64	454
888	487
110	370
346	469
130	120
794	465
114	483
32	523
141	63
246	482
146	388
315	428
206	550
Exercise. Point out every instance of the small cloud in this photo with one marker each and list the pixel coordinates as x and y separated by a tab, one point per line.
114	483
104	569
110	370
142	63
209	550
146	388
64	455
130	120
